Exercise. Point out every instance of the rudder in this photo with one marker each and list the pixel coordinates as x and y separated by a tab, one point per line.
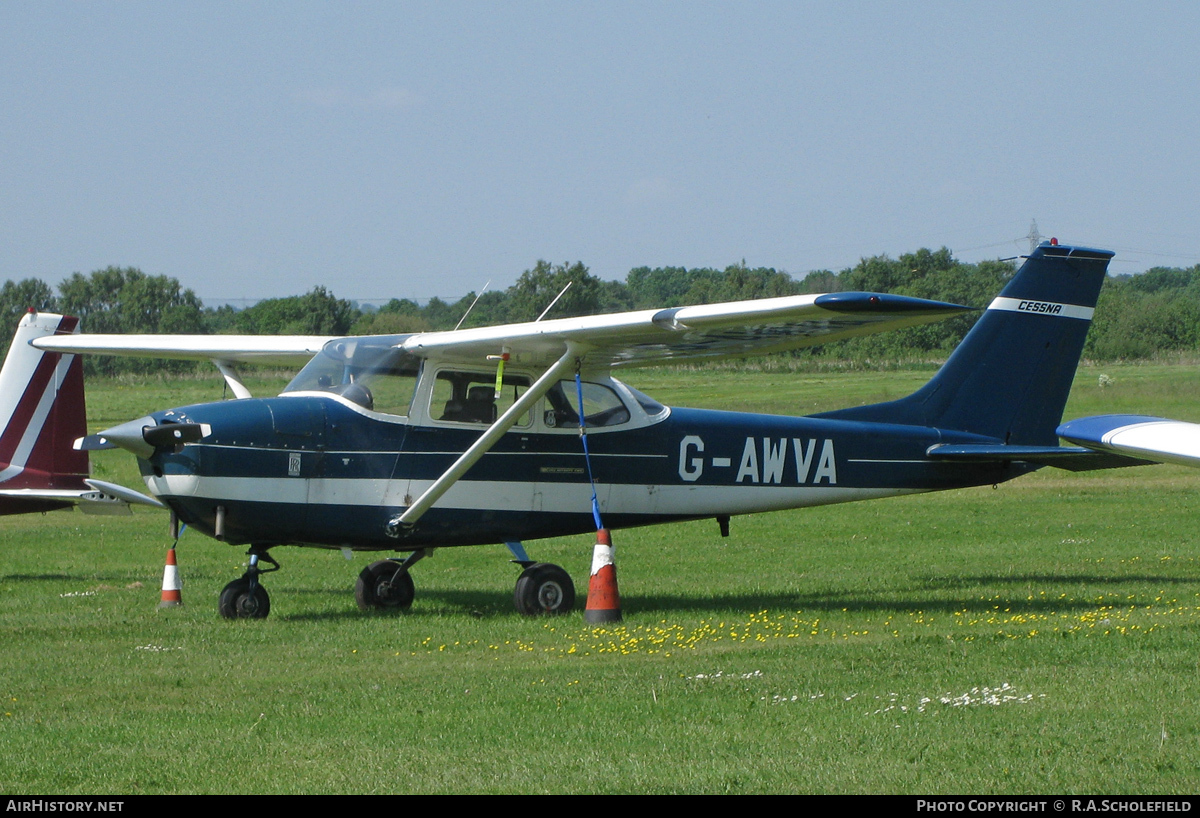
42	410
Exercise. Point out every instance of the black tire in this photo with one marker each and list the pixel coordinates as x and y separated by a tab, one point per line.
236	601
544	588
379	588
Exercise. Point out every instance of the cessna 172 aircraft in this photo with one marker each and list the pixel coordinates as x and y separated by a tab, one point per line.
409	443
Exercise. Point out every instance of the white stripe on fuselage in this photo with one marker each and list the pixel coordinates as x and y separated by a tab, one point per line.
617	498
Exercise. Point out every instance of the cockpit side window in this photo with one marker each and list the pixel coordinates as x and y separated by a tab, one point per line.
470	397
601	406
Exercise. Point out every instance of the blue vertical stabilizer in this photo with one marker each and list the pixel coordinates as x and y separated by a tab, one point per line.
1010	377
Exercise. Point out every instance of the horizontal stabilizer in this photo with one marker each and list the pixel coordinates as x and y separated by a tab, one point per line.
112	491
1070	458
1158	439
99	498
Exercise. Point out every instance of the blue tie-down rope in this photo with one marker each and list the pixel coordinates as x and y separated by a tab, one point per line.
586	456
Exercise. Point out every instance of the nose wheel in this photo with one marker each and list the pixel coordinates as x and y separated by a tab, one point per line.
246	598
239	601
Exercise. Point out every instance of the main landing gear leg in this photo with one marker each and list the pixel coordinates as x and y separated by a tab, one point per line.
246	598
386	585
542	588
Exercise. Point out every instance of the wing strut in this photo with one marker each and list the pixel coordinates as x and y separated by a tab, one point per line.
488	439
232	378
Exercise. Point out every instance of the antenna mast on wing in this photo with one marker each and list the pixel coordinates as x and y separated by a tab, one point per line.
473	303
555	301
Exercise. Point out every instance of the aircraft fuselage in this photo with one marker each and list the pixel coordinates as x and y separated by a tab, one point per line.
321	471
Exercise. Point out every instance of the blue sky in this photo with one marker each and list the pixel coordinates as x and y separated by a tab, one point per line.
417	149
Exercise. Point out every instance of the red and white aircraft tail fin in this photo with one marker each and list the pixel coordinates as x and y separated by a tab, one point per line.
41	416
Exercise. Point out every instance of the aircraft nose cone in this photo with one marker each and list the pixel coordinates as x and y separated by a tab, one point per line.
145	435
130	436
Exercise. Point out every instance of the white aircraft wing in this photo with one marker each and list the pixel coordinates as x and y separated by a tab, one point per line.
731	329
1150	438
279	350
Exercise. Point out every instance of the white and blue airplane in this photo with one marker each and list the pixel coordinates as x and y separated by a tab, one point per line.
408	443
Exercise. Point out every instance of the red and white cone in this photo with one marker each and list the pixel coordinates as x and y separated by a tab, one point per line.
603	601
171	595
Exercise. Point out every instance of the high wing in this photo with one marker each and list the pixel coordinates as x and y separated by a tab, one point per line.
280	350
225	351
1151	438
644	337
730	329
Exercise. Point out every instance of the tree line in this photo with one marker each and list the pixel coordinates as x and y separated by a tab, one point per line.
1138	316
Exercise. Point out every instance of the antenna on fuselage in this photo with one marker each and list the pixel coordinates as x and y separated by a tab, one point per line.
473	303
555	301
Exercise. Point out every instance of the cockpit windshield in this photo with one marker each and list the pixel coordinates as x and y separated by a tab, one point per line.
371	372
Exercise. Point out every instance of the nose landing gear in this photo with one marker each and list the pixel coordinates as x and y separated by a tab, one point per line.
245	598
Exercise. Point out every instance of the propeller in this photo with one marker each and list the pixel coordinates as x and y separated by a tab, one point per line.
144	436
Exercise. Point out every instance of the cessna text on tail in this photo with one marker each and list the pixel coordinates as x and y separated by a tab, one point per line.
415	442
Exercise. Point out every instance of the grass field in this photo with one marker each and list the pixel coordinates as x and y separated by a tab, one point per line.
1043	637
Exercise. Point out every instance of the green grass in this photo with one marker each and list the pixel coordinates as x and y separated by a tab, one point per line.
1042	637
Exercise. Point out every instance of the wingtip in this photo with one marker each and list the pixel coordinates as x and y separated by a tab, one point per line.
884	303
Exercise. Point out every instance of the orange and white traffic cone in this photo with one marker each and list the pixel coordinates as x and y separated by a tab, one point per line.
171	595
603	601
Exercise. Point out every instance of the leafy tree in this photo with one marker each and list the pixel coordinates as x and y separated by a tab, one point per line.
741	283
615	297
821	281
126	300
398	316
439	314
318	312
660	287
537	288
1157	279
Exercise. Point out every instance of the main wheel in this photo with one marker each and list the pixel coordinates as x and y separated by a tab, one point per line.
380	587
237	602
544	588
